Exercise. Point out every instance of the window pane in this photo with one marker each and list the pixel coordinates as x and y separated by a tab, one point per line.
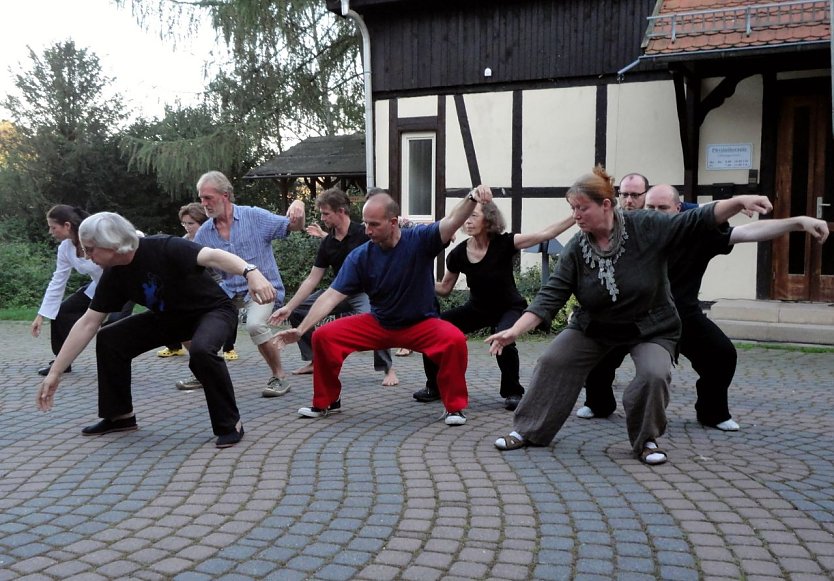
419	177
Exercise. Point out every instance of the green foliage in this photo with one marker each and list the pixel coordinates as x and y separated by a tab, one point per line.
183	145
62	149
529	282
295	255
295	71
455	299
26	270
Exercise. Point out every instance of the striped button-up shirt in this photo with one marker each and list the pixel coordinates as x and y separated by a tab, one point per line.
251	234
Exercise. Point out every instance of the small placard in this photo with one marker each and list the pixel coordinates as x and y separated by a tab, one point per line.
729	156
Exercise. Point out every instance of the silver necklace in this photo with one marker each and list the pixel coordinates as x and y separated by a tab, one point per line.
606	259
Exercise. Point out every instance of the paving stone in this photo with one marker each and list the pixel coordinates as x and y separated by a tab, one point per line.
358	496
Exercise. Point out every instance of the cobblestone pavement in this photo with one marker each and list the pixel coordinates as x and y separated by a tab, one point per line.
385	490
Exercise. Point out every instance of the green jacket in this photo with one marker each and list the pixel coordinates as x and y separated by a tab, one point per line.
641	308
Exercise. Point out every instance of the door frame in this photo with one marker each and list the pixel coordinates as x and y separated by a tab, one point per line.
790	280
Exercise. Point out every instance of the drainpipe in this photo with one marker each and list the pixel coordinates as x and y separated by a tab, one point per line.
621	73
369	104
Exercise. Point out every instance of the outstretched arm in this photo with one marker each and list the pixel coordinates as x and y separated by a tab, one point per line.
315	230
79	337
451	223
749	204
527	322
527	240
328	301
305	289
762	230
260	289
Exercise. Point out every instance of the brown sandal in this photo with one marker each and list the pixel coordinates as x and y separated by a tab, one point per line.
510	443
648	452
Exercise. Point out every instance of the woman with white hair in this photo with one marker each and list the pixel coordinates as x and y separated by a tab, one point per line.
166	274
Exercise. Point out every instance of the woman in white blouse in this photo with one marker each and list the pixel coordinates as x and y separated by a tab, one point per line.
63	224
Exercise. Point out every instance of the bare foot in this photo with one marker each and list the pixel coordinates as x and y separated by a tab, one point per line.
402	352
391	378
306	370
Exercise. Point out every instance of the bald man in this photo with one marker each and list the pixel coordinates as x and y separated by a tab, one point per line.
712	354
396	270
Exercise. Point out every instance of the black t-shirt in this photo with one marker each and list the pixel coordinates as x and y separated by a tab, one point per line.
491	281
332	252
688	263
163	276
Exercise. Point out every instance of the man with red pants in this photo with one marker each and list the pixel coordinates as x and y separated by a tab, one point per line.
395	269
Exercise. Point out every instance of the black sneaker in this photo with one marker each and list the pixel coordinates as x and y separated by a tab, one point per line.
45	370
314	412
230	439
426	395
106	426
512	402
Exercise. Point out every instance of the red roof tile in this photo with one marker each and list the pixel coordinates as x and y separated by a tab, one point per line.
688	26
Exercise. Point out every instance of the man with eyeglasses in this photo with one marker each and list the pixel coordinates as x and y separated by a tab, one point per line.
709	350
632	191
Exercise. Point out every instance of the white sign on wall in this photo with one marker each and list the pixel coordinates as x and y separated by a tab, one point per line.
729	156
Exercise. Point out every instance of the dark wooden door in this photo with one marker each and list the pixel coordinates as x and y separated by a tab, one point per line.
804	269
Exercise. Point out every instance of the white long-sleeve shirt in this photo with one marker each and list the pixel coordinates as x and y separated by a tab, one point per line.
67	260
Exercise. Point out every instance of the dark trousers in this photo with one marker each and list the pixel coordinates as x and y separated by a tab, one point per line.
119	343
713	357
599	385
228	344
70	311
469	319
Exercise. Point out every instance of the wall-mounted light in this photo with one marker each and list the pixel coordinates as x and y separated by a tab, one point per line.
487	72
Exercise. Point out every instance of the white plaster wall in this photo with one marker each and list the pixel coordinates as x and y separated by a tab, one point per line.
490	121
732	276
737	120
643	134
417	106
457	170
539	213
381	145
558	135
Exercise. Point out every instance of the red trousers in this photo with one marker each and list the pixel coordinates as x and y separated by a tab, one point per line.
438	340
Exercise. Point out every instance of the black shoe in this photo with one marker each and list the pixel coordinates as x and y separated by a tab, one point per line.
512	402
45	370
106	426
230	439
426	395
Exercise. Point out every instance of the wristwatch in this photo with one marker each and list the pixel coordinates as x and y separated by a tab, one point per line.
247	269
471	196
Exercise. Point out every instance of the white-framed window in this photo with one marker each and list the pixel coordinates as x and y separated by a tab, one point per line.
418	173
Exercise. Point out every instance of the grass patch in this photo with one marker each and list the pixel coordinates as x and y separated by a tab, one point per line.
18	314
786	347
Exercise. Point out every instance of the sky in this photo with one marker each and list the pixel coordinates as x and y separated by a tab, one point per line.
147	71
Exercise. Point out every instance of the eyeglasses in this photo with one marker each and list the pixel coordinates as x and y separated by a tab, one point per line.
187	224
634	195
